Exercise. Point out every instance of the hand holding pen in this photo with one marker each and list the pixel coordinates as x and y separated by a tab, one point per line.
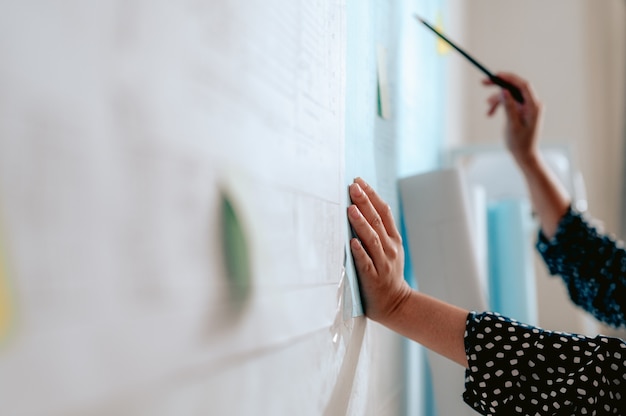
523	120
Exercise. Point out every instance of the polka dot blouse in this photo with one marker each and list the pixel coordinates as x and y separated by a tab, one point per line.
516	368
592	265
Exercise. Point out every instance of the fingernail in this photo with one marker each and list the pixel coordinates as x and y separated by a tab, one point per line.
354	243
354	211
356	189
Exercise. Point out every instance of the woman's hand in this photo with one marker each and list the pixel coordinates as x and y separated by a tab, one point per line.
378	253
523	120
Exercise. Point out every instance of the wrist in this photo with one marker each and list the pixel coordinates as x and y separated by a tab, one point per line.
394	311
528	162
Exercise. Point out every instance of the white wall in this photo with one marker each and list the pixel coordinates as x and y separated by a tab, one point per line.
573	52
122	126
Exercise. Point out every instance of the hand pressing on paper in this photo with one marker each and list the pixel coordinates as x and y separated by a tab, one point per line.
387	298
523	120
378	253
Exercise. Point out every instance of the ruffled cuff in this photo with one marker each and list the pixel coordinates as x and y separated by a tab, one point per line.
554	250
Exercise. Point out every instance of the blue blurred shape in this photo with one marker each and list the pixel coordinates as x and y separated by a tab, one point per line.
512	286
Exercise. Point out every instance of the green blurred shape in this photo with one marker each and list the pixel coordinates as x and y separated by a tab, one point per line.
236	252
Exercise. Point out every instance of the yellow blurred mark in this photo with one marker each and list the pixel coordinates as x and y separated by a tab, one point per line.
6	306
442	46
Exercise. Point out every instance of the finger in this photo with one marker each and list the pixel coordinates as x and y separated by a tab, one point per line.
494	101
487	81
383	209
512	109
524	86
362	261
368	236
368	210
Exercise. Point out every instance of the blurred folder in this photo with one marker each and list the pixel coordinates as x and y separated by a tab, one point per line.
438	221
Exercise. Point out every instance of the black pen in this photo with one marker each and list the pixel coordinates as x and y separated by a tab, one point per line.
515	92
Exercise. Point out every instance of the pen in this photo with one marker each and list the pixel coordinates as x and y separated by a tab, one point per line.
515	92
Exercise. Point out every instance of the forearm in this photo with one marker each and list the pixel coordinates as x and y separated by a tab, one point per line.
436	325
549	199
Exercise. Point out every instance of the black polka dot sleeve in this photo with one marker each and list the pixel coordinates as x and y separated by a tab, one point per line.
518	369
592	265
